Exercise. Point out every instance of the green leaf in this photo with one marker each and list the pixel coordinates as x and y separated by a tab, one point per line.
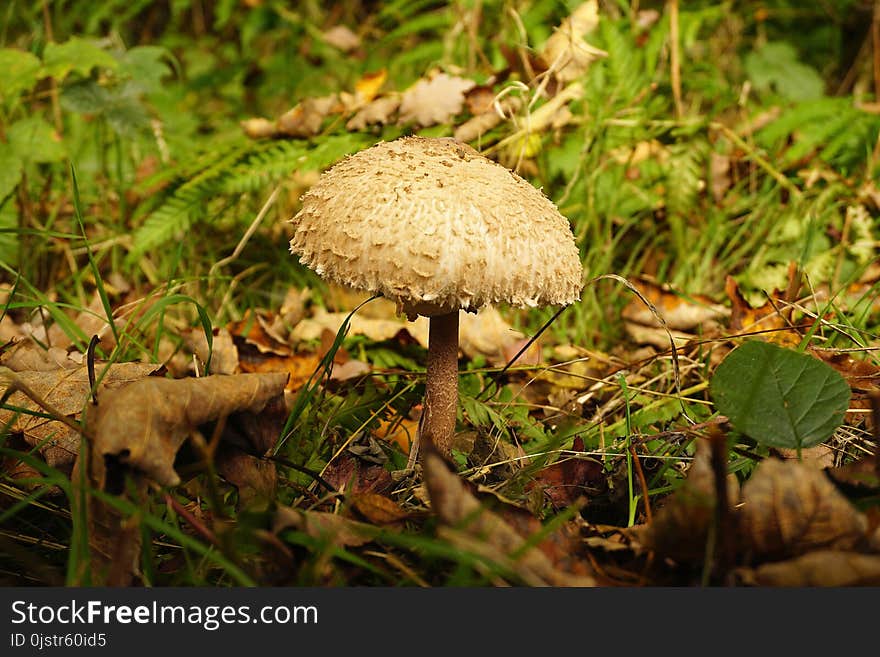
75	55
19	72
146	66
127	116
779	397
34	140
776	67
85	97
119	105
10	170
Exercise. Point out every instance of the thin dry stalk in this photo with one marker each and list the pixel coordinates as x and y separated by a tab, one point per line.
675	57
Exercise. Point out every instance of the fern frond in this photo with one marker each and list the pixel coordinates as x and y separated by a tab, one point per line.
833	127
247	168
685	170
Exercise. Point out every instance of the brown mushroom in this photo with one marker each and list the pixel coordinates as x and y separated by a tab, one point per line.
435	226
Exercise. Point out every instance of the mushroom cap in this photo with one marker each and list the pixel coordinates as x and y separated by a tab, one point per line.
435	226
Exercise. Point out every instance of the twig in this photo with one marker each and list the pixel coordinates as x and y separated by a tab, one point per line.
875	430
875	47
53	84
643	482
248	233
724	519
760	161
192	521
675	57
676	371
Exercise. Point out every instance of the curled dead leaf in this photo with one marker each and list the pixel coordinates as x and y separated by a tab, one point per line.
679	312
353	476
790	509
681	528
305	118
488	334
67	391
259	127
820	568
223	352
142	425
566	52
322	526
341	37
378	509
255	478
767	322
569	478
477	529
378	111
435	99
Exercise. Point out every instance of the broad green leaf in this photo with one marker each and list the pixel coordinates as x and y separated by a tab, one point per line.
19	72
85	97
127	117
34	140
146	66
75	55
10	170
776	66
779	397
119	104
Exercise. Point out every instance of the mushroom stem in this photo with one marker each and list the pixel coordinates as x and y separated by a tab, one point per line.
441	386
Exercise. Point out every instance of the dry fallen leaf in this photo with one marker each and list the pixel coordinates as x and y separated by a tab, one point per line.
259	127
377	330
566	52
485	333
765	323
142	425
25	355
223	352
401	431
341	37
819	457
488	334
570	478
474	528
684	314
820	568
300	367
259	330
352	475
435	99
378	111
255	478
378	509
482	123
480	99
681	528
367	87
67	391
322	526
790	509
306	117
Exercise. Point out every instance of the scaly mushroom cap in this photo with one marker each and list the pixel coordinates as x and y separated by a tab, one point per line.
435	226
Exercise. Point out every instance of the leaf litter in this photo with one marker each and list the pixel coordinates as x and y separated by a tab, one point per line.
794	524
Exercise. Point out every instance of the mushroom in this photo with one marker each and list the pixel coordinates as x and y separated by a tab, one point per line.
436	227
